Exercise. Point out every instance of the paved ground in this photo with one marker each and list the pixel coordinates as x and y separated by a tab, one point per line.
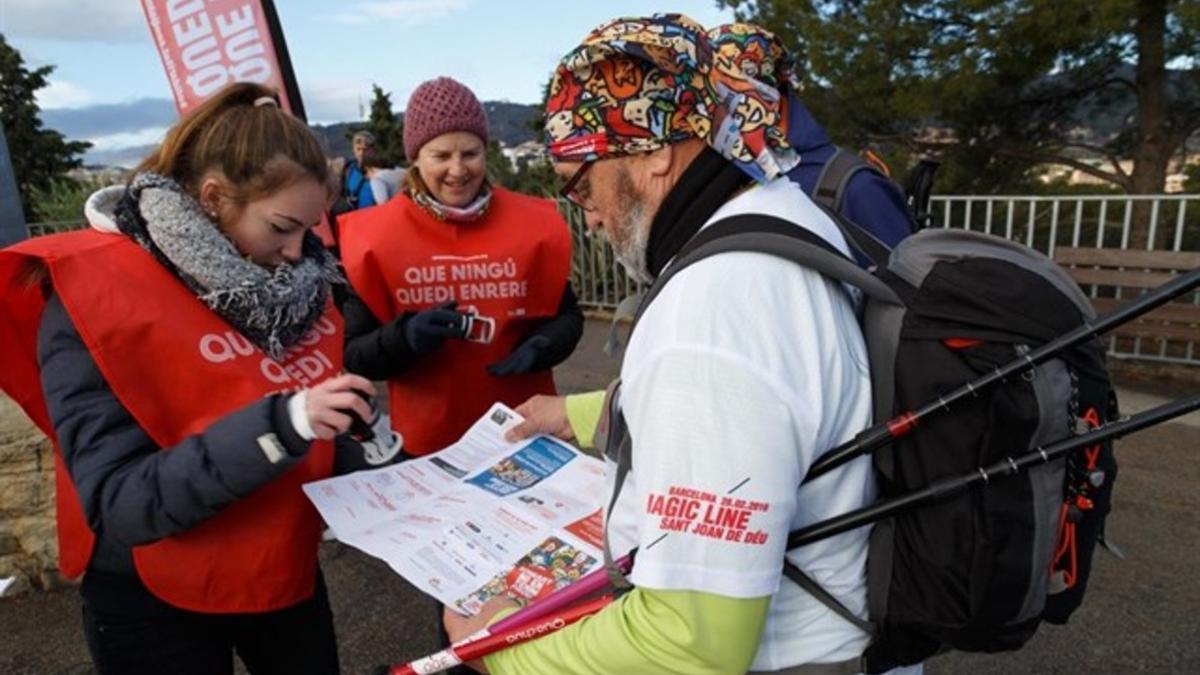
1140	614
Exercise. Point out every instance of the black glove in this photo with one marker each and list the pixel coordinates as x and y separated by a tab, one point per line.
522	359
425	331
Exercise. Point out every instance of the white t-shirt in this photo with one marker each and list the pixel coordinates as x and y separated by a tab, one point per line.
745	369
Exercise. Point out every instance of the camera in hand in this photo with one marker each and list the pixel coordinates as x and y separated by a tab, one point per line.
360	429
475	327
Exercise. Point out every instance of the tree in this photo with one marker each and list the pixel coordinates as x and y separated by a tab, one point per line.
1191	183
1011	83
499	168
386	126
535	178
39	156
538	121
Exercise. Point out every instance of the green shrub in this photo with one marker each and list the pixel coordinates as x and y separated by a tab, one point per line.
61	202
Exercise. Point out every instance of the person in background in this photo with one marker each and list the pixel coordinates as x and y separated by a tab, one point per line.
871	200
740	372
461	292
385	180
356	191
185	358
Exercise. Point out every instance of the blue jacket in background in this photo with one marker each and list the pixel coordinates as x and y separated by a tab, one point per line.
358	186
871	201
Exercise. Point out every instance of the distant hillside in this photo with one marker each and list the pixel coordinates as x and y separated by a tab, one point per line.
508	123
1098	118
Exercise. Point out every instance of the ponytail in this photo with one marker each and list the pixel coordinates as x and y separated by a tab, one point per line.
242	133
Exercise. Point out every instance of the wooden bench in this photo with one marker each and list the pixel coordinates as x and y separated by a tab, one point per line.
1110	271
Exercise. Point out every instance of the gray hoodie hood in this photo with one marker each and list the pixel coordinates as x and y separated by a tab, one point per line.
101	207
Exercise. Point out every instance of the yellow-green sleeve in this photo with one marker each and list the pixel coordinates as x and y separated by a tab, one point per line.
648	631
583	414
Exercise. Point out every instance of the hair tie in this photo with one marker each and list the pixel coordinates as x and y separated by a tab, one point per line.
265	100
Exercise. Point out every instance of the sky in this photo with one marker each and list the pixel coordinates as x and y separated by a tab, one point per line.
109	87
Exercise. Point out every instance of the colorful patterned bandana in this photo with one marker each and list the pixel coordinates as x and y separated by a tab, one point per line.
638	84
746	50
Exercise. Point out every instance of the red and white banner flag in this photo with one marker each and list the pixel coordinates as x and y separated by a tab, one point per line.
207	44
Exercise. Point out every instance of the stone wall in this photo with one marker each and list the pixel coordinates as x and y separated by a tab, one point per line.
28	544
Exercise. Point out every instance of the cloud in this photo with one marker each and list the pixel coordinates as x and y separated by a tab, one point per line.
74	20
123	149
96	121
121	134
405	12
124	141
328	101
62	94
123	157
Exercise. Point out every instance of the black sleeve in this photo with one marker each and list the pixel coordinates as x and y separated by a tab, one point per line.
563	331
130	490
375	351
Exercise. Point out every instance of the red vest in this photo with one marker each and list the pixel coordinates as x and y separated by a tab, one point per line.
176	367
511	265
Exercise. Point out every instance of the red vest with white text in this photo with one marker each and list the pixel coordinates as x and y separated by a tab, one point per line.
511	265
176	367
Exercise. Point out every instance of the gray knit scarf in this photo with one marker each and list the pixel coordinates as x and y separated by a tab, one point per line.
273	308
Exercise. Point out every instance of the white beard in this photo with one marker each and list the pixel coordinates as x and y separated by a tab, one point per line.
633	226
631	250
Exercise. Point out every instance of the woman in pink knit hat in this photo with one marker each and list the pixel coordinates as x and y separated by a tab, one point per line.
462	290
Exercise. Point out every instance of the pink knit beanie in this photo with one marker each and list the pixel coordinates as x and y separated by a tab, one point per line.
438	107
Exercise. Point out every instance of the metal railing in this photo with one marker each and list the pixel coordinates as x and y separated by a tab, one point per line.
598	279
1117	222
1093	221
1172	223
38	229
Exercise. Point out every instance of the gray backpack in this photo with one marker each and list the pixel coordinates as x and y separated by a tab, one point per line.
981	569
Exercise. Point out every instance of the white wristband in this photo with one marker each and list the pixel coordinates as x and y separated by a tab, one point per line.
298	414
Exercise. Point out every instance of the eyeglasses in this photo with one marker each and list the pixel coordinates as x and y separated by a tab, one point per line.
571	191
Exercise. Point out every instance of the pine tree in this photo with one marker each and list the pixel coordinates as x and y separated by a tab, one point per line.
1013	83
39	156
386	126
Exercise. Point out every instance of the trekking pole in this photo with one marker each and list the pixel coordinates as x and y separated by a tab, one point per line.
881	434
1004	467
512	631
591	583
477	649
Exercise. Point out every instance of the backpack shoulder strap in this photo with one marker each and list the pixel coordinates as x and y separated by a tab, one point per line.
830	195
355	190
835	175
825	597
859	239
761	233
